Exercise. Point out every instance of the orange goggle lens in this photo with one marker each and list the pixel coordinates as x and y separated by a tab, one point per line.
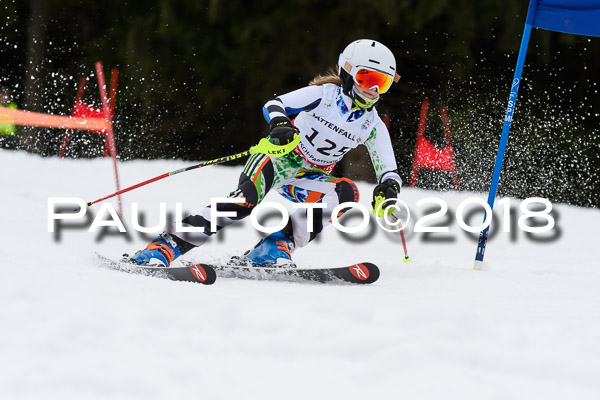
366	79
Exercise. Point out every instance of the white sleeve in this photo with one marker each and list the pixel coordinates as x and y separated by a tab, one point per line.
304	99
382	155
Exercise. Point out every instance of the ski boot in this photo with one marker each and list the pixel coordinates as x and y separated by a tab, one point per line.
273	251
162	250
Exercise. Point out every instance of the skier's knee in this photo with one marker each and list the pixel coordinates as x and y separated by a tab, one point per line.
347	191
248	191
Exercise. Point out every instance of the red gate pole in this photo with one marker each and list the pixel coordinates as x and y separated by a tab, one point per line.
114	77
112	101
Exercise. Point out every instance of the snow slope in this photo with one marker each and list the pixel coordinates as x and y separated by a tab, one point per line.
526	328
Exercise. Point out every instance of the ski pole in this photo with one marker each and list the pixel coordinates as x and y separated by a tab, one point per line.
263	147
406	256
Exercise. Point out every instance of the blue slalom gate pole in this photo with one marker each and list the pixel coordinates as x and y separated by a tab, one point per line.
512	100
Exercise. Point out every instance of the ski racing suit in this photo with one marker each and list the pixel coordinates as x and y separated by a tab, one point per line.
329	128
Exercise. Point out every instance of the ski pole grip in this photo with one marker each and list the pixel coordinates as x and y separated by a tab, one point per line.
270	149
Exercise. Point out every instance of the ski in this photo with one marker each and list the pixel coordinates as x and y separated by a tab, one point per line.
197	273
362	273
206	273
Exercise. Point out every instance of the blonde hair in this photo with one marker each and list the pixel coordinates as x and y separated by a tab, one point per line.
330	76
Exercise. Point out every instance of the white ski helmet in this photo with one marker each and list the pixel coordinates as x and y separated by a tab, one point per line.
369	64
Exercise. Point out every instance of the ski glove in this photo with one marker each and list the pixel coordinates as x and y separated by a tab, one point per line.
282	131
387	189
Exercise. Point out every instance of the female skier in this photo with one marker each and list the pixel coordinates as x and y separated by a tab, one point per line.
335	114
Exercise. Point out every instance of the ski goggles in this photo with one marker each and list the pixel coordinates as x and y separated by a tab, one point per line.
368	78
